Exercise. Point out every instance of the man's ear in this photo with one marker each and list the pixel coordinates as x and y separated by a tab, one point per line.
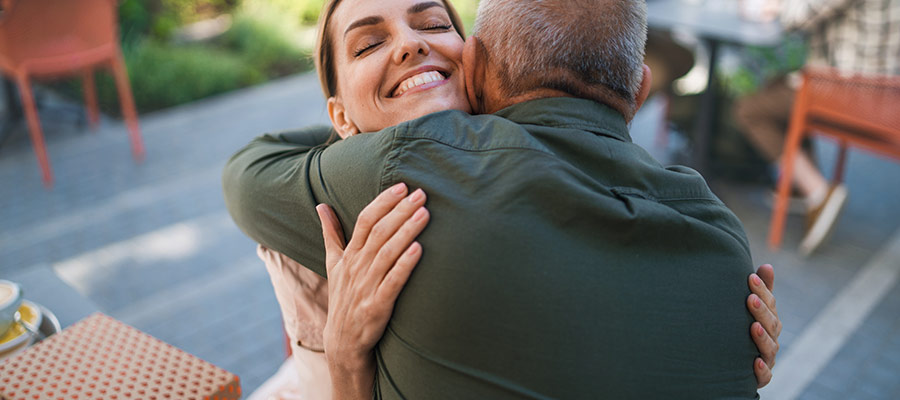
644	91
473	68
340	119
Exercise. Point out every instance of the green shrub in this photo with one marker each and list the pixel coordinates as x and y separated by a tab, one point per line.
299	12
160	18
758	65
266	47
164	76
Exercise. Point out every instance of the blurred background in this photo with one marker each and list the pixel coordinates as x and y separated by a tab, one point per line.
144	236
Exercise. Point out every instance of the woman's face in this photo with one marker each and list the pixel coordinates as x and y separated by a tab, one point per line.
395	60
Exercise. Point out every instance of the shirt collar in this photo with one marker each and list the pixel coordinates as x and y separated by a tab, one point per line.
569	112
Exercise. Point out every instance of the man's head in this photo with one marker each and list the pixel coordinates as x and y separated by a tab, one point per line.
526	49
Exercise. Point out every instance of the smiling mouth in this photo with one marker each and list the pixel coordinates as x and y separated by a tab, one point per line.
418	80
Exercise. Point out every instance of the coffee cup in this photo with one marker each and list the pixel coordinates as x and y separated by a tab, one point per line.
10	299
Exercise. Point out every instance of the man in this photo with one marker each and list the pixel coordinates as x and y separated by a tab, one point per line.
856	36
561	261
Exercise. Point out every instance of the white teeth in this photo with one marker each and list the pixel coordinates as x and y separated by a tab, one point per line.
418	80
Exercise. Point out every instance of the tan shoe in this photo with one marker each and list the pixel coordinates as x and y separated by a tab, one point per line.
821	219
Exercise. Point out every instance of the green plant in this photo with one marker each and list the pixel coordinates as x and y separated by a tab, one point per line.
264	45
760	64
295	12
163	76
466	10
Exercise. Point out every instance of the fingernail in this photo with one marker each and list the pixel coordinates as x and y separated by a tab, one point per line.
759	331
759	363
413	248
398	188
420	213
756	280
756	302
416	196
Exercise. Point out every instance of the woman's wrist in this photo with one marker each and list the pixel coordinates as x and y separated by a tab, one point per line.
352	375
350	360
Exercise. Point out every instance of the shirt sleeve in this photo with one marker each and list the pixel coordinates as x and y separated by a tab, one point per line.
806	14
273	185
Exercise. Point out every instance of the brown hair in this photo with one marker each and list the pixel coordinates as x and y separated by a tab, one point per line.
324	52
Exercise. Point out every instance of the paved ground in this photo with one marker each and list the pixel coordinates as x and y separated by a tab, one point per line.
151	244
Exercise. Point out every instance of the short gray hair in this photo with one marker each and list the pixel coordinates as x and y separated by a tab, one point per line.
576	46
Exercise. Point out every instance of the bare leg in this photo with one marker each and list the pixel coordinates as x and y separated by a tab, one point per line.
807	178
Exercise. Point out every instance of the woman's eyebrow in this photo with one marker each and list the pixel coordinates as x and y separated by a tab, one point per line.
423	6
373	20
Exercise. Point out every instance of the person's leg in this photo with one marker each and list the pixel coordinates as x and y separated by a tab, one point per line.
763	118
808	180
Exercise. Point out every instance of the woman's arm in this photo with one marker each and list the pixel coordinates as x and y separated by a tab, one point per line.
273	185
365	279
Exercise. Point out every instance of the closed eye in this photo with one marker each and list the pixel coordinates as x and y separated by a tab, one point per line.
359	52
437	27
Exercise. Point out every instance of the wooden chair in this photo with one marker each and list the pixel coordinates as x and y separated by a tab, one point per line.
52	38
856	110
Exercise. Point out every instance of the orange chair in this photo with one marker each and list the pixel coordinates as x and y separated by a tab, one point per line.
49	38
856	110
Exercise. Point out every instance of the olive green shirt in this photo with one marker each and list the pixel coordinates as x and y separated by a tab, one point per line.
561	260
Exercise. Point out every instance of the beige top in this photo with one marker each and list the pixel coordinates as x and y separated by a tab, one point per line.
303	297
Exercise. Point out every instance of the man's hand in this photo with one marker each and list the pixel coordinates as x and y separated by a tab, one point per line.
364	281
767	328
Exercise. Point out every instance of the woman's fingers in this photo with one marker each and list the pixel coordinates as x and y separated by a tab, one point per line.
392	250
768	347
764	315
331	233
396	278
767	273
766	330
388	225
374	212
761	303
762	371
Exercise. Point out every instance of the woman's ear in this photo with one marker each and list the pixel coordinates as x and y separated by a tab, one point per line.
340	119
473	70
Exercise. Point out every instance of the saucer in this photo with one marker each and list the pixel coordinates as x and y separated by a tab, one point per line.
17	335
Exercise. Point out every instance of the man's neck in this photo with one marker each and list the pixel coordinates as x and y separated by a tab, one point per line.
498	102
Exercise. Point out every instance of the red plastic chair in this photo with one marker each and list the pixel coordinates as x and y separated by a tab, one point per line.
52	38
856	110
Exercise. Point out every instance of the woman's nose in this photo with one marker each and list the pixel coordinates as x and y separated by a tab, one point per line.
410	45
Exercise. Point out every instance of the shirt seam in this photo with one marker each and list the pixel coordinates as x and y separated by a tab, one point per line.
595	129
629	191
389	166
414	138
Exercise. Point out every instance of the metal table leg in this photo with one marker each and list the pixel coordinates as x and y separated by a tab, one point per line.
706	118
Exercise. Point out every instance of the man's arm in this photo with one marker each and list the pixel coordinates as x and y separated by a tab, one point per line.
805	14
273	185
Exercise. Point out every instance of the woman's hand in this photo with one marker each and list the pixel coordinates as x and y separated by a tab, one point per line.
767	327
364	281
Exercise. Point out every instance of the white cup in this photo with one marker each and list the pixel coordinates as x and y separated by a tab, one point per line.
10	299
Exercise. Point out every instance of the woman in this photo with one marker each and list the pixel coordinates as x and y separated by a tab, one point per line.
382	63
